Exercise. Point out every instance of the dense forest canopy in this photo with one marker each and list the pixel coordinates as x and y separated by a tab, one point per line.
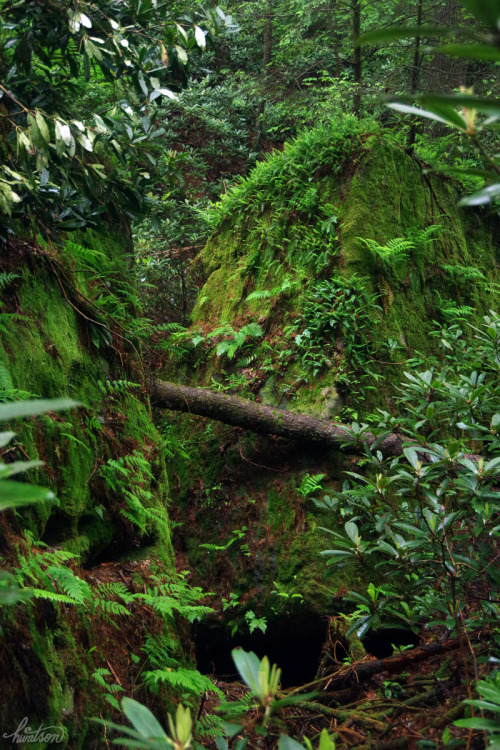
249	356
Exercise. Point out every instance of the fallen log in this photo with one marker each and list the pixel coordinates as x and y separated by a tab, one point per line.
393	664
268	420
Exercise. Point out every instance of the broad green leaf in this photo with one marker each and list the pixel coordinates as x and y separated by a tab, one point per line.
182	32
5	438
485	104
170	94
352	531
36	137
471	51
445	115
42	126
85	21
490	466
181	54
478	723
33	408
142	719
199	35
16	494
407	110
18	467
248	665
287	743
412	456
231	729
325	741
485	195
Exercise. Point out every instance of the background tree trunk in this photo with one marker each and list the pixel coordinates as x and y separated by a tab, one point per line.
266	59
356	60
415	75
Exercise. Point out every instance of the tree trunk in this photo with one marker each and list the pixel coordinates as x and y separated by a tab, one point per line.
415	75
266	59
356	64
267	420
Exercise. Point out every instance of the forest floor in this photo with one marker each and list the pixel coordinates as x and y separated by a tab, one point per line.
397	702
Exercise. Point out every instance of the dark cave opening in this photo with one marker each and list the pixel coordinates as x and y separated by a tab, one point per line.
382	642
293	643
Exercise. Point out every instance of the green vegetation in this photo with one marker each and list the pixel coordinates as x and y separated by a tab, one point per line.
220	197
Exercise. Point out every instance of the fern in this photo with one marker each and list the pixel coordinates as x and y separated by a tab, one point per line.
75	587
310	484
286	285
186	680
395	250
423	237
464	273
52	596
113	608
172	328
261	294
86	256
6	279
452	312
210	726
99	676
127	476
6	383
107	590
160	650
164	605
117	387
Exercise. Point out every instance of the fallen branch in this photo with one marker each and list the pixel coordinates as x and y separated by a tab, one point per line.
364	669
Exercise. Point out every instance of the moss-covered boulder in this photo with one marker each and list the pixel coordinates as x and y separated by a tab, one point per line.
325	271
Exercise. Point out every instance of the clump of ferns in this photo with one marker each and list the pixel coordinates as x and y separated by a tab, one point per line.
387	257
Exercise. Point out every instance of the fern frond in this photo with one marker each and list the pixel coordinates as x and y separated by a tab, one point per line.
172	328
464	273
182	679
260	294
210	725
52	596
112	608
422	237
107	590
7	278
252	330
75	587
99	675
5	378
395	249
310	484
160	649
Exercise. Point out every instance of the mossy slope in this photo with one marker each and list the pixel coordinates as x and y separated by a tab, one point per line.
56	342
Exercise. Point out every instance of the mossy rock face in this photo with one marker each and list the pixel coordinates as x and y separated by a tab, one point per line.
56	342
343	250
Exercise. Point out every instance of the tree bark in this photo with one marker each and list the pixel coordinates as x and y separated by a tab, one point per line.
356	66
268	420
415	74
266	59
